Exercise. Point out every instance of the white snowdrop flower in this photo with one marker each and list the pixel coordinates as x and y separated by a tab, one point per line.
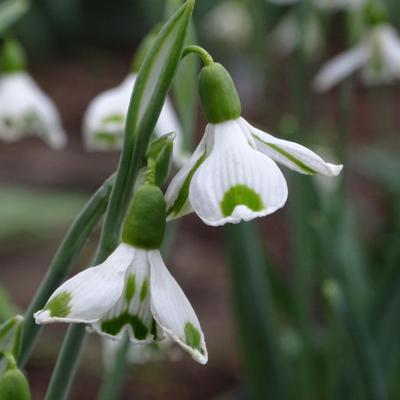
232	175
104	120
377	55
24	109
230	22
132	292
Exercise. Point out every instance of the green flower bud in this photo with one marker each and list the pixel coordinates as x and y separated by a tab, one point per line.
159	158
219	99
12	58
14	386
145	220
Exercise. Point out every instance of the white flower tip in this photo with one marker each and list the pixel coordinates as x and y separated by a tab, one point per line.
321	84
42	317
335	169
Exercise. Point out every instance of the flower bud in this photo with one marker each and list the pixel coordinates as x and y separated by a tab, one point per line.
14	386
145	220
12	58
159	157
219	98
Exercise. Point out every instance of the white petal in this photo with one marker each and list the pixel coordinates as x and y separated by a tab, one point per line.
26	110
173	312
236	182
104	119
131	314
90	294
341	67
293	155
390	44
177	194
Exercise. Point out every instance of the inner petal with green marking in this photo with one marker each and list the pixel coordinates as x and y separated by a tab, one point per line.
193	337
109	139
132	313
241	195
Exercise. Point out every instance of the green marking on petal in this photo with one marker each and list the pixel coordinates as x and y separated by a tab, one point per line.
114	326
113	118
192	336
130	288
110	139
59	306
184	192
144	290
294	160
240	195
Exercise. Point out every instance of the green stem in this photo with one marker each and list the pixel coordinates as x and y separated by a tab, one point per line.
202	53
62	263
113	380
67	363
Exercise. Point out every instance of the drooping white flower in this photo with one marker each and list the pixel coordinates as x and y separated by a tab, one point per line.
232	175
377	55
104	120
26	111
132	292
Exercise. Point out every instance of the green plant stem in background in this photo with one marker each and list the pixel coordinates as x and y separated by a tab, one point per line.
153	82
112	382
67	363
62	263
255	312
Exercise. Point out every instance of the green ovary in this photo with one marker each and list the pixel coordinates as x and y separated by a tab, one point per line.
240	195
59	306
114	326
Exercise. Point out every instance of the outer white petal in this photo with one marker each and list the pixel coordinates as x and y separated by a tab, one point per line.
26	110
234	164
131	303
390	45
92	292
178	188
341	67
106	114
173	312
292	155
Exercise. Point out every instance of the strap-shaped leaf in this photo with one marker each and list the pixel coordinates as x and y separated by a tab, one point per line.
11	11
152	84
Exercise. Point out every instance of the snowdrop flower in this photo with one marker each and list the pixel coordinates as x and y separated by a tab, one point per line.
232	175
104	120
378	56
24	109
132	292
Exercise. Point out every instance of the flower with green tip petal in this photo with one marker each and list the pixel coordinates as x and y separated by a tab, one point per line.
104	121
132	292
377	55
26	111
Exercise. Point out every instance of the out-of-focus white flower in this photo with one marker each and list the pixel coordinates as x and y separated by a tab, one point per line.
25	110
327	4
140	353
378	55
286	36
229	22
104	120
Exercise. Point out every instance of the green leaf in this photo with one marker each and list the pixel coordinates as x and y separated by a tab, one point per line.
255	313
11	11
151	88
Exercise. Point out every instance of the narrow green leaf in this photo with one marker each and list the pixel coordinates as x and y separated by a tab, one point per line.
153	82
256	314
11	11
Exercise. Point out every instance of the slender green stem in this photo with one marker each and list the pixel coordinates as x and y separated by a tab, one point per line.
62	263
113	380
67	364
202	53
